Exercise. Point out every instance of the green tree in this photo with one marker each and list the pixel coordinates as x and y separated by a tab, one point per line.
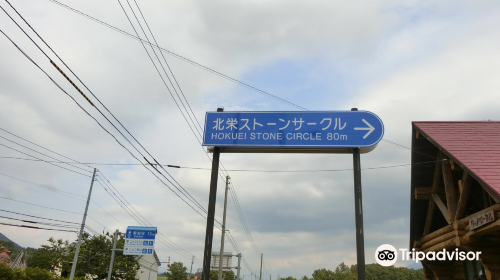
51	257
288	278
93	260
226	275
177	271
322	274
30	273
373	272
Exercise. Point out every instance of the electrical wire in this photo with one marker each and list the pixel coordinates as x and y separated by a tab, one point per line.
87	99
41	223
182	57
112	134
99	122
33	227
73	194
41	146
68	194
188	196
247	170
32	216
14	142
44	160
61	210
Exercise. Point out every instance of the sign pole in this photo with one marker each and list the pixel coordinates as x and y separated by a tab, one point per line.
358	202
111	262
239	266
209	234
210	215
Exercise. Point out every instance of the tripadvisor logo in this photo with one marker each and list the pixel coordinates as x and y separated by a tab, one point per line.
387	255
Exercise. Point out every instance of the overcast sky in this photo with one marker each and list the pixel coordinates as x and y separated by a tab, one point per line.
403	60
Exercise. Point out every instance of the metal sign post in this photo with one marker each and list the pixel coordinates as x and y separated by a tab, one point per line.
352	131
358	204
209	234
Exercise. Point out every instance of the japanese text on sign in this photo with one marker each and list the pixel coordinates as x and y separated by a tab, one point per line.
341	128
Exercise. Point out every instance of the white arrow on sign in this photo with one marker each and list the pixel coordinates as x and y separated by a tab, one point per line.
370	128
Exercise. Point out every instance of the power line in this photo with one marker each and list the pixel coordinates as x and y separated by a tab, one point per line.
41	223
187	196
61	210
14	142
32	216
33	227
127	204
44	160
41	146
182	57
100	123
68	194
243	170
78	195
165	85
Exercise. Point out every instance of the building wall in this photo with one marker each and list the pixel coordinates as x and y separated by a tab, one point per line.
149	268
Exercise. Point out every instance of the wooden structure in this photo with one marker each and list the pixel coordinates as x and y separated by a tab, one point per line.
455	196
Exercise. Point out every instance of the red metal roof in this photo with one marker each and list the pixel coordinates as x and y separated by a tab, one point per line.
475	146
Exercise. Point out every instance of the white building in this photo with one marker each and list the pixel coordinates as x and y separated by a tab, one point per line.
149	267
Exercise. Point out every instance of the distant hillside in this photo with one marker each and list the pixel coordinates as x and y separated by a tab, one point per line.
5	238
414	265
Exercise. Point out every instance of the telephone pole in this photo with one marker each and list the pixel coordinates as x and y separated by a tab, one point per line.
77	249
223	230
261	257
191	270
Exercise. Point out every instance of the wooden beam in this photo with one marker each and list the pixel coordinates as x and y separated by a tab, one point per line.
474	235
435	234
422	193
442	238
442	207
450	243
464	186
432	205
486	199
451	195
454	166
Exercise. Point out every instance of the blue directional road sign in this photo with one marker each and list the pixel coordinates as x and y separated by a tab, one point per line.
139	241
324	129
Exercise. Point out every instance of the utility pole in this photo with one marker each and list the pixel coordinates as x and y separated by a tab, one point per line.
239	266
261	257
191	270
223	230
77	249
110	270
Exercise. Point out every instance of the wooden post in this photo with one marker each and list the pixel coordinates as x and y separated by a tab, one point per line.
442	207
451	195
464	186
432	204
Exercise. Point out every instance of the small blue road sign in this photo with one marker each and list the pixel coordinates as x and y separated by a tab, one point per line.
324	129
139	241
